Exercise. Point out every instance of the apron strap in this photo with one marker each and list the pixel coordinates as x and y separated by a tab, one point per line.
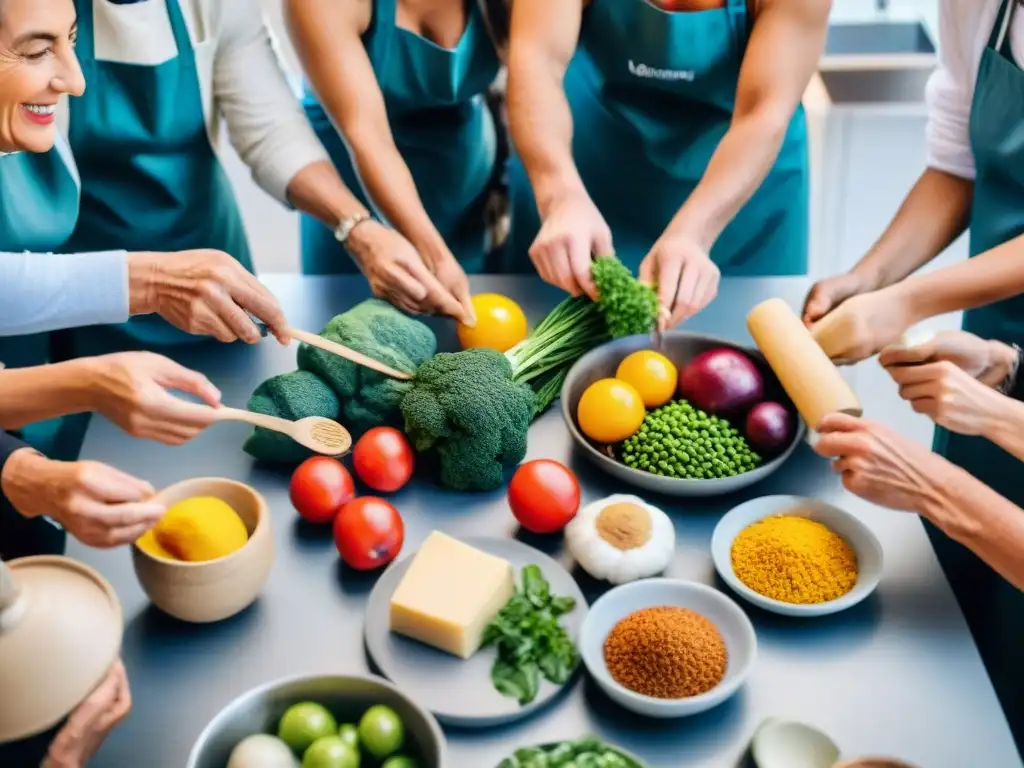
739	22
1001	28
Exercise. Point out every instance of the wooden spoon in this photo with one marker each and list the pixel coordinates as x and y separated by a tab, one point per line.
315	340
314	432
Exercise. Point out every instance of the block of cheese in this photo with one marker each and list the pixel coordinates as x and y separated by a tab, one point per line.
809	377
449	595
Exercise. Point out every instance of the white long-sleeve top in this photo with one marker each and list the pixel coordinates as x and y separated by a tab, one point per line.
964	29
243	83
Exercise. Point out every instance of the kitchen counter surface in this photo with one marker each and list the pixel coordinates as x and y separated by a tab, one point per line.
898	675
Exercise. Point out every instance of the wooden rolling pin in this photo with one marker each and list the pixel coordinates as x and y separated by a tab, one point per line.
811	380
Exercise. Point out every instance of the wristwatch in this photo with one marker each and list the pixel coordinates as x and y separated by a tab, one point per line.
1013	384
346	225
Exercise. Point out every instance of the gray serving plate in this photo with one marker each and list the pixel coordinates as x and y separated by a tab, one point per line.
459	691
680	347
347	697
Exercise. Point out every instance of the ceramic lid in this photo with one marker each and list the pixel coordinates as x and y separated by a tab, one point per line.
60	631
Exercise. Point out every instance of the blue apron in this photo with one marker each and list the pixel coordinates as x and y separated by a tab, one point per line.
993	607
652	93
38	209
436	105
39	196
151	180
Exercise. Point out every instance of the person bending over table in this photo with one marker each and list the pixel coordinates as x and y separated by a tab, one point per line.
975	178
397	93
673	138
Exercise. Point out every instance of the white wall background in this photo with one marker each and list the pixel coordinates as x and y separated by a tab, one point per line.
274	231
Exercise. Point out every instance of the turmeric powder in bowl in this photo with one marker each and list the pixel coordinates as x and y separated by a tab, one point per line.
794	559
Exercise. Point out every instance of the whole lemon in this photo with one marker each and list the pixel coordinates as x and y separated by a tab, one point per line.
500	324
610	410
201	528
654	376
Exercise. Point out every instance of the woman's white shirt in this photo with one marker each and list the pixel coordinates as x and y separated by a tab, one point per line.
964	29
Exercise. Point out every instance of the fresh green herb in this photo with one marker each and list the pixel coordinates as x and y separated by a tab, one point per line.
530	641
588	752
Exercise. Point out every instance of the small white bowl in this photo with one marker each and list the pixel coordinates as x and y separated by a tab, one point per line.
618	603
856	533
787	744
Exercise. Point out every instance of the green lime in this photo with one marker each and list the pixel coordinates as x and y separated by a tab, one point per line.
330	752
349	734
381	732
304	723
399	762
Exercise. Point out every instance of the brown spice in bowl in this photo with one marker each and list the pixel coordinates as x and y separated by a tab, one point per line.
666	653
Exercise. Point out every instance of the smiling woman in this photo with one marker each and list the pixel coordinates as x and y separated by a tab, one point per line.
37	67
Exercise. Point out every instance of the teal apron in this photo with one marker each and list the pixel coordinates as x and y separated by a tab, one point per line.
437	109
151	180
993	607
38	209
652	93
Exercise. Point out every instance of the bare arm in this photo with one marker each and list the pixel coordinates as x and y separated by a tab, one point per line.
1006	429
327	36
38	393
543	40
785	44
988	524
934	214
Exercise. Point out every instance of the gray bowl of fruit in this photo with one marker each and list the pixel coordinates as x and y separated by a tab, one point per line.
698	416
341	721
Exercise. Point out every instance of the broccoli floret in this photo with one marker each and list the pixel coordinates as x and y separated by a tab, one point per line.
291	396
375	328
629	306
469	413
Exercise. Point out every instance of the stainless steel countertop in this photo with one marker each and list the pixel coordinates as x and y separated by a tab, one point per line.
898	675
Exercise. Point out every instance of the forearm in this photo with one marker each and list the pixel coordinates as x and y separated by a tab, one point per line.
48	292
740	163
540	126
933	215
38	393
988	524
319	191
992	276
19	464
1006	428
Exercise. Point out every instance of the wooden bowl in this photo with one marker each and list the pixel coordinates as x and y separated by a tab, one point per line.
214	590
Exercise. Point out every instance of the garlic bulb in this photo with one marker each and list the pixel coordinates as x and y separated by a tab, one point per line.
621	538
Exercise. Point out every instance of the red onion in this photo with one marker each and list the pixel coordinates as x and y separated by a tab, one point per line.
721	381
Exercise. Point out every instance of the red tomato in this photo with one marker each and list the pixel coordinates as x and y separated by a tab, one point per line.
320	487
383	459
544	496
369	533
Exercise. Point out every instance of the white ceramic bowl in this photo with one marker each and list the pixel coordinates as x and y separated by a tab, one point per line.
856	533
618	603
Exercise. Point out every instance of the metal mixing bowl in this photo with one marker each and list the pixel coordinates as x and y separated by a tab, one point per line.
680	347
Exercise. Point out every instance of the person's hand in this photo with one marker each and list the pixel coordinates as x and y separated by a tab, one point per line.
92	721
453	278
572	234
133	390
827	294
863	325
987	361
399	275
949	396
686	277
877	463
100	506
205	293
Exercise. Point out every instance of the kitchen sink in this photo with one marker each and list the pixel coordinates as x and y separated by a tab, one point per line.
878	38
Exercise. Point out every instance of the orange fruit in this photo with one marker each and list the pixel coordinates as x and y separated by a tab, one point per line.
652	374
500	324
610	411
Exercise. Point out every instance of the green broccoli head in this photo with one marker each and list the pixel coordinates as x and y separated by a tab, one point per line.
375	328
629	306
291	396
465	410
